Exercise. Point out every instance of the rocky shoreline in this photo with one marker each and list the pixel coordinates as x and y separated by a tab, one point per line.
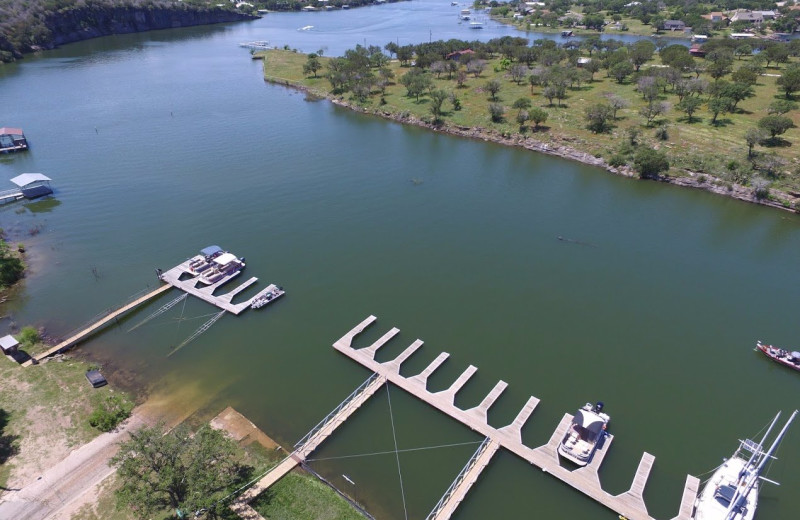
779	200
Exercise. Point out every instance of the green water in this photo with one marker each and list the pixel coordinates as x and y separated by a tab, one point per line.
164	143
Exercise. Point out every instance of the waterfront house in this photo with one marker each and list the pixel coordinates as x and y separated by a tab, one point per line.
457	55
697	51
714	16
9	345
673	25
12	139
743	15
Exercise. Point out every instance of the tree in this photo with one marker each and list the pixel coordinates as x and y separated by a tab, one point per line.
690	105
652	110
496	112
176	470
641	52
747	75
404	54
312	64
416	82
518	73
650	163
598	117
781	106
777	52
720	105
476	67
521	104
492	87
11	267
737	92
752	137
743	50
591	67
616	103
538	116
438	67
790	80
621	70
522	118
677	56
648	88
775	125
438	98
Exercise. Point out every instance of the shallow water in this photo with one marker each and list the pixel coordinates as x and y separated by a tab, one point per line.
162	143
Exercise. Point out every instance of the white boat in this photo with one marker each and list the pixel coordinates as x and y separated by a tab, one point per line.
306	28
586	431
476	25
732	492
213	264
267	297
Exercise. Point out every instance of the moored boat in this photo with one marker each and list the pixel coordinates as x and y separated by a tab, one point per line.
267	297
587	429
782	356
732	492
214	263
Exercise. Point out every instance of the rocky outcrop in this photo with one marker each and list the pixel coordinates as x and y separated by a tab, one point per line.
89	22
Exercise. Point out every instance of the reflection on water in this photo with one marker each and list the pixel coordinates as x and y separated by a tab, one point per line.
45	205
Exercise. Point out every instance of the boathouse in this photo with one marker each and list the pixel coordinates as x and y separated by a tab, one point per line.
12	140
33	185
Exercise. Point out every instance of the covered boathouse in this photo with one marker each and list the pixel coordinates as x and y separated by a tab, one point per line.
12	140
32	185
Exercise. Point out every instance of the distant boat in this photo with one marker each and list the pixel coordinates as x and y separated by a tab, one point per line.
453	3
465	17
476	25
306	28
732	492
782	356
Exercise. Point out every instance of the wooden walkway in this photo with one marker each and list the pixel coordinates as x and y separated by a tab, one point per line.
94	327
306	446
586	480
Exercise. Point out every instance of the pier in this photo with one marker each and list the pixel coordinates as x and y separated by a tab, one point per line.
586	480
95	325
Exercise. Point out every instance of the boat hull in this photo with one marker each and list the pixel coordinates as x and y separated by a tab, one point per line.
775	354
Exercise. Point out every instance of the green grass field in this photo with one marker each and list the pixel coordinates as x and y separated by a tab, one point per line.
698	147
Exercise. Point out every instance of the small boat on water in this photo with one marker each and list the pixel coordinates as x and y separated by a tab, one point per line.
782	356
306	28
267	297
732	492
214	263
476	25
587	429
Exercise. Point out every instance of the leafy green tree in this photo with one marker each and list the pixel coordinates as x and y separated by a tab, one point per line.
592	67
677	56
743	50
599	116
781	106
777	52
312	65
641	52
650	163
522	118
775	125
492	87
176	470
737	92
652	110
690	105
621	70
522	103
719	105
404	54
752	137
496	112
747	75
538	116
416	82
790	80
438	98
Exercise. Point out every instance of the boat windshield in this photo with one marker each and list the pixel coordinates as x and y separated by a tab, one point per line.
725	494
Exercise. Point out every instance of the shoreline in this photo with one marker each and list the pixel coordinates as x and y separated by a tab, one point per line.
696	180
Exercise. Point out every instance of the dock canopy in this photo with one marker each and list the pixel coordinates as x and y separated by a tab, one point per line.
225	259
211	251
590	421
7	130
29	178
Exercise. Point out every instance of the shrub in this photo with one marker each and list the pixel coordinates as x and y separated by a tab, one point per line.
650	163
661	133
110	412
760	188
28	337
618	160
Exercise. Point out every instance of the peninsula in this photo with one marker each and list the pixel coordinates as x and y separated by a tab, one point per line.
720	118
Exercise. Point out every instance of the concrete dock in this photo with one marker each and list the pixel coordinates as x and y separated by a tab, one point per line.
629	504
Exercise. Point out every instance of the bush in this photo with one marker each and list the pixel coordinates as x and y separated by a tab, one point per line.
28	337
110	412
650	163
760	188
618	160
662	133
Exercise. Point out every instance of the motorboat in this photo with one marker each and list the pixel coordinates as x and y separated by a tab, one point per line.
586	431
268	297
782	356
732	492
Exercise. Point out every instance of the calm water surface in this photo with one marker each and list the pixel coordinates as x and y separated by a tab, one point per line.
162	143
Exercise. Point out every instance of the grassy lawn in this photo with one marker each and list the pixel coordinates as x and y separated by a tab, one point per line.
45	414
699	146
299	496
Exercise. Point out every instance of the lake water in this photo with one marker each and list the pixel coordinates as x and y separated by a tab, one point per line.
162	143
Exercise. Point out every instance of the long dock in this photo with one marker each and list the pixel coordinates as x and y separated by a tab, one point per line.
95	326
307	445
629	504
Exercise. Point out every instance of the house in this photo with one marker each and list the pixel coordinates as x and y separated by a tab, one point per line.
767	15
583	61
696	51
9	345
714	16
673	25
743	15
458	54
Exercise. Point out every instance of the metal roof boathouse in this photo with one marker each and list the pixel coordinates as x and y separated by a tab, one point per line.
30	186
12	140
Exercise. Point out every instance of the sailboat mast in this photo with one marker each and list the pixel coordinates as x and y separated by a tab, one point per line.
760	450
775	444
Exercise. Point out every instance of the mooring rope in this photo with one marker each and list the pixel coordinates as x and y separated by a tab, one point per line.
396	452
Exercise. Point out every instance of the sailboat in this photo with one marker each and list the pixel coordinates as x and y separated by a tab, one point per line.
732	492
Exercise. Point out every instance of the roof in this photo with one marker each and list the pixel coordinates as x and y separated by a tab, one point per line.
225	259
8	341
589	420
96	378
8	130
28	178
211	250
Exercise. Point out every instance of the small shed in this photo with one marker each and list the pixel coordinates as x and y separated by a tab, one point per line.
12	139
674	25
95	378
33	185
9	344
697	51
